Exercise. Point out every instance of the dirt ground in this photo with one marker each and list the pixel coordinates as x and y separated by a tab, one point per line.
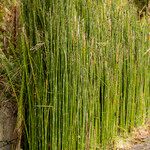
7	124
138	139
145	145
141	140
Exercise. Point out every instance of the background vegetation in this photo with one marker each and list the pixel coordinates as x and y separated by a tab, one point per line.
79	71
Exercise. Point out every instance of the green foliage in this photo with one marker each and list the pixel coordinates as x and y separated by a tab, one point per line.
141	4
85	73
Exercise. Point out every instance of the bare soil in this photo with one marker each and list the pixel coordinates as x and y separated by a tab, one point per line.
7	124
145	145
139	139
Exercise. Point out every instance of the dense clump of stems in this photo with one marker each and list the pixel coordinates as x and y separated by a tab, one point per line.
85	67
